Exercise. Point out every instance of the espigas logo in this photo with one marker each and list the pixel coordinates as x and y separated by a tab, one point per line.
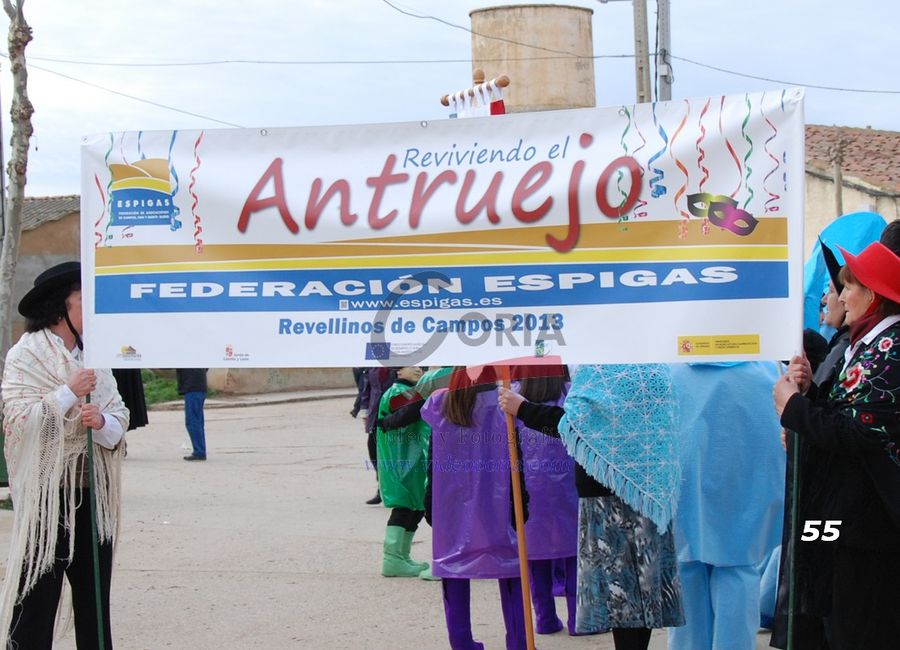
141	194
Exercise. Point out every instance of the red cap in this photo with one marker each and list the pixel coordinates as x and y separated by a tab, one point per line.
877	268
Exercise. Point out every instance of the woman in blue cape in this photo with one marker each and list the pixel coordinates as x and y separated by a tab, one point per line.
620	423
732	496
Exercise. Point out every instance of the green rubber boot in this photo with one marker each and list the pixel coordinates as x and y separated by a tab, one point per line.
407	547
426	575
394	565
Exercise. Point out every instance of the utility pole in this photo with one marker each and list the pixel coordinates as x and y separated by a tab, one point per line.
663	66
641	51
837	160
2	186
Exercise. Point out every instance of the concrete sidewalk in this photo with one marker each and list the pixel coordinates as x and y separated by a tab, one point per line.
268	544
223	400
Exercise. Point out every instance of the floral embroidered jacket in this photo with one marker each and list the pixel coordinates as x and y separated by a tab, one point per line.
854	426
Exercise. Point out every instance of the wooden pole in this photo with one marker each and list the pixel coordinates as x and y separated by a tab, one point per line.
95	542
792	540
501	82
519	514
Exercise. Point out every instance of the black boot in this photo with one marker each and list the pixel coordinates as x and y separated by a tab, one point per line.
374	501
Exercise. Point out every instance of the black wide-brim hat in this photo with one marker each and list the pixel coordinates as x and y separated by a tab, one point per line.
61	275
833	266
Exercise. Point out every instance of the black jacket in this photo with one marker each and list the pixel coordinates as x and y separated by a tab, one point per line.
191	380
853	429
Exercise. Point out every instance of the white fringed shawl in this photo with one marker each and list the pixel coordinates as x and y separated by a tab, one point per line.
44	450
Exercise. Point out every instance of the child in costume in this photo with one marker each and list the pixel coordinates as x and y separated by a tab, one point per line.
552	529
471	510
402	473
409	414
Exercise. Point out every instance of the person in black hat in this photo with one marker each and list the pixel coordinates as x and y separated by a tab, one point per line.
46	416
849	502
811	622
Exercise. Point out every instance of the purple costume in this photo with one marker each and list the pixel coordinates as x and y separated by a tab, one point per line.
471	509
552	527
471	501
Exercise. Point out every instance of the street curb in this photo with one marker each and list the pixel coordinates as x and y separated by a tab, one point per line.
241	401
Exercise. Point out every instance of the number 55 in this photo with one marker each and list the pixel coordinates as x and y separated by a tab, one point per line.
830	531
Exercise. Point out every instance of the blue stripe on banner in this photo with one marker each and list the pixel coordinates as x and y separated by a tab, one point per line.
460	287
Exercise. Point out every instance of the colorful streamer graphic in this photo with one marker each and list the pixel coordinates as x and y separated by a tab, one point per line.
784	175
176	224
748	171
619	174
107	235
639	210
657	189
198	228
773	197
701	153
97	234
684	170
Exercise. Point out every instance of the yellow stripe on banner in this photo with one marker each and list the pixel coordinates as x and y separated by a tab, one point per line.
496	258
143	183
481	246
612	234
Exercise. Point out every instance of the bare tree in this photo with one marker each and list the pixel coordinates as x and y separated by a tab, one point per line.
20	112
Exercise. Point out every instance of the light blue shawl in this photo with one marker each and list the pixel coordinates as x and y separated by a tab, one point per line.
621	426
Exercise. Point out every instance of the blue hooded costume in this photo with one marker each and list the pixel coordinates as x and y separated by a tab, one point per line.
729	516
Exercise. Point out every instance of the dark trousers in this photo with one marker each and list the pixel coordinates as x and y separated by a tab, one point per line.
33	618
406	519
372	447
637	638
866	605
194	421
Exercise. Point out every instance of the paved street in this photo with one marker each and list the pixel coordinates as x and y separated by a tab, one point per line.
268	544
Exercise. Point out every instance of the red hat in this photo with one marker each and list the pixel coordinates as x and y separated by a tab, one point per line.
877	268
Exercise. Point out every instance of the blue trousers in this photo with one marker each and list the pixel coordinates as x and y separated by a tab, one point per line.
721	608
194	422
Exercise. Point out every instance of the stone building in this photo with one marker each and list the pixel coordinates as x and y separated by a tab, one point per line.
870	171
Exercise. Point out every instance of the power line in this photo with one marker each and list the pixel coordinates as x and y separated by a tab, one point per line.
697	63
138	99
474	33
783	82
302	62
425	62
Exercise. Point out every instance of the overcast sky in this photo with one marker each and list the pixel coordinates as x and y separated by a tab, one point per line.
804	42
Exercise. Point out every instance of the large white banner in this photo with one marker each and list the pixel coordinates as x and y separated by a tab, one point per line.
656	232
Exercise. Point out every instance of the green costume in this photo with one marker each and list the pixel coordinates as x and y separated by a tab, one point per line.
432	380
402	460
